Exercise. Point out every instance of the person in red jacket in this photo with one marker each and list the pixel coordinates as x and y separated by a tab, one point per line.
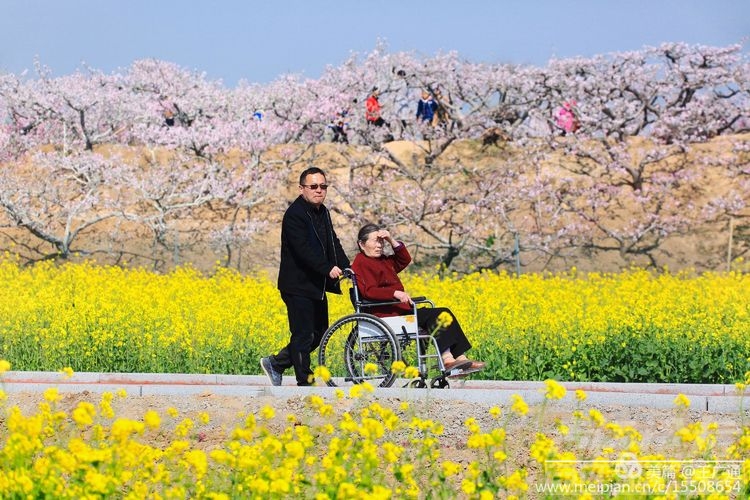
372	109
377	280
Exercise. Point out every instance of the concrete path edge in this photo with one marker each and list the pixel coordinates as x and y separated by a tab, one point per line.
719	398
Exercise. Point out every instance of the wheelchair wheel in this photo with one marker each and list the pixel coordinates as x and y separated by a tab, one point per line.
439	383
356	341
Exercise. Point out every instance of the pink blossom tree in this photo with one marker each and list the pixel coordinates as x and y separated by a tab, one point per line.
198	166
52	201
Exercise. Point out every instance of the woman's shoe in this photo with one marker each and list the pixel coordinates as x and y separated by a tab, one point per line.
478	365
457	364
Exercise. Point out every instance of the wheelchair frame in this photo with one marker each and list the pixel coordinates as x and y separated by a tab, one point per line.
369	339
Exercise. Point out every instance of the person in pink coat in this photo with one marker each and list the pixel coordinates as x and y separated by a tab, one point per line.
566	118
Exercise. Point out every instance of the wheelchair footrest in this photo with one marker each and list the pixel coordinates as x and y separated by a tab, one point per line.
463	373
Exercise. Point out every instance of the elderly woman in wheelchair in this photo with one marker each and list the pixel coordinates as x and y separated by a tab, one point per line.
387	318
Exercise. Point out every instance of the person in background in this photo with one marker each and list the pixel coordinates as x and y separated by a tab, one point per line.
373	109
426	107
168	112
442	116
377	280
312	260
402	104
339	126
566	118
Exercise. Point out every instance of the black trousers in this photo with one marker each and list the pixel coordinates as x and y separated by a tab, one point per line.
451	338
308	321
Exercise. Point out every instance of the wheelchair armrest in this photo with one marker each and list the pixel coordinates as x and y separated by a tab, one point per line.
371	303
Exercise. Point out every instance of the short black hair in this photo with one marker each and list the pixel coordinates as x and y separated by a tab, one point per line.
367	230
310	171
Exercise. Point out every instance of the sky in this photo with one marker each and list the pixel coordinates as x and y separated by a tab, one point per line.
260	40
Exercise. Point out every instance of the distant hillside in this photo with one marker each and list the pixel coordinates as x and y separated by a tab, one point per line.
383	189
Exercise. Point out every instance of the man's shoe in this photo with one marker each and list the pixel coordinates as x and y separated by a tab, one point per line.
273	375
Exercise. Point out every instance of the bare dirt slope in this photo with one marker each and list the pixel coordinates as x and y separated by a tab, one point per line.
127	242
657	426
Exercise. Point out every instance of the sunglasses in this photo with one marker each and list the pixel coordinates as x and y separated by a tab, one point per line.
314	187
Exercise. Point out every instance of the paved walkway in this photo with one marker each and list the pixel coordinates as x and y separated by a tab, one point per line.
709	397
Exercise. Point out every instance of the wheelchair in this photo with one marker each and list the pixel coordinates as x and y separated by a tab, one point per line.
362	340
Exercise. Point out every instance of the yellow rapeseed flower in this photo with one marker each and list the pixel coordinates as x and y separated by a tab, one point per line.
84	414
519	406
183	428
517	481
123	428
682	401
691	432
52	395
198	461
444	320
468	487
151	419
267	412
391	452
450	468
294	450
355	391
323	373
543	448
4	366
398	367
554	389
346	490
597	417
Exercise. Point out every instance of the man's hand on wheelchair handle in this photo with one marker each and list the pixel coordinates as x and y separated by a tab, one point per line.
335	272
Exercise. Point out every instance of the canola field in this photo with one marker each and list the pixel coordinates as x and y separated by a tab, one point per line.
632	326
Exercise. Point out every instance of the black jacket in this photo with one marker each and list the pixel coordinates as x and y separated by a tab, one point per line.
306	257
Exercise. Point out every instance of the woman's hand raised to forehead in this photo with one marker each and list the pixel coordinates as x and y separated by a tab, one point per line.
384	234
